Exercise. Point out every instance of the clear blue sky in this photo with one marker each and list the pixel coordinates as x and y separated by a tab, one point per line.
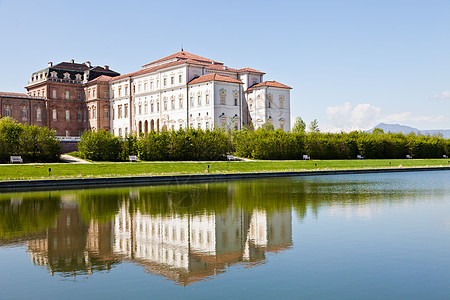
351	64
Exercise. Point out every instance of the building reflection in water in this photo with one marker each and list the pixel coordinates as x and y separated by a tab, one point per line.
190	248
184	248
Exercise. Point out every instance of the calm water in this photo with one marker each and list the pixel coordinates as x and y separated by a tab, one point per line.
372	236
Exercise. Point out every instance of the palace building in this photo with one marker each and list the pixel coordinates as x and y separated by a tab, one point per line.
182	90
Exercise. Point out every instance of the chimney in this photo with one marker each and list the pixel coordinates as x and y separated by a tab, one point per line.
72	61
50	64
106	67
88	63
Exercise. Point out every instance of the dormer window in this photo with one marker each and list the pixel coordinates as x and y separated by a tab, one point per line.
78	77
66	75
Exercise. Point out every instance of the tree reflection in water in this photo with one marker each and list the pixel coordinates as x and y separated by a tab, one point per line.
185	233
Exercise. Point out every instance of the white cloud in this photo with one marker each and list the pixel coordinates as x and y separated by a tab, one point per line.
351	117
443	95
348	117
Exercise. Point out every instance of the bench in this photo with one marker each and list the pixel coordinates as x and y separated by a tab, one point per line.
306	157
359	157
444	156
133	158
16	159
408	156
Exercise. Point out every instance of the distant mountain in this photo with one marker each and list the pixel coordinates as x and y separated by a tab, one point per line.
406	129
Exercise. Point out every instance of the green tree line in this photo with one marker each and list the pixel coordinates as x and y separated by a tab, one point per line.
177	145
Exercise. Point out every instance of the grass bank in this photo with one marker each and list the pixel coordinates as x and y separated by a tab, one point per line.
110	169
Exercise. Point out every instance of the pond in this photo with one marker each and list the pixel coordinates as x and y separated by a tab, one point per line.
368	236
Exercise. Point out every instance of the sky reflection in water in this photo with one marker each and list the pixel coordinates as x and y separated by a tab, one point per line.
370	236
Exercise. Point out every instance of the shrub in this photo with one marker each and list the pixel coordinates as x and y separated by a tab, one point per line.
34	144
100	145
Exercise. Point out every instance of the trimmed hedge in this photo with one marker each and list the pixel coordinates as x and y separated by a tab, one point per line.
156	146
277	144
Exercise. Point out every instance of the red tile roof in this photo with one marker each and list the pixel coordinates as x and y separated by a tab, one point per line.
215	77
221	68
183	55
250	70
7	94
102	78
269	84
153	69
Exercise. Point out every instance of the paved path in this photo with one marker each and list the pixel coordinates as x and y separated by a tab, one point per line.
73	160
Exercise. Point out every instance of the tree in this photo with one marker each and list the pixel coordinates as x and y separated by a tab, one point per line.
299	125
314	126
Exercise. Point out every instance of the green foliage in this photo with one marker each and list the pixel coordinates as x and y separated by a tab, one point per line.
299	125
129	147
314	126
100	145
34	144
264	144
183	144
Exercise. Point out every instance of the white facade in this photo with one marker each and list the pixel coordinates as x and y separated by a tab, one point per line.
185	90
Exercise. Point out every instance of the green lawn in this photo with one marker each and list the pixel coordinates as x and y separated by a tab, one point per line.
109	169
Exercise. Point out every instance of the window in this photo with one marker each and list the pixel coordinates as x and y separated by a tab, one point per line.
67	132
126	130
140	109
8	111
38	114
192	101
120	91
259	101
119	111
207	125
151	85
180	78
106	112
24	113
151	107
223	95
67	95
94	93
180	100
54	115
120	131
67	115
126	90
199	126
125	111
199	99
54	94
165	104
79	96
235	102
172	104
165	81
79	116
281	101
94	112
207	99
157	106
145	86
139	88
145	108
172	80
106	94
84	115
